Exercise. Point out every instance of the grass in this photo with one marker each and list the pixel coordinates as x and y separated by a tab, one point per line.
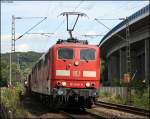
112	98
142	99
139	99
11	101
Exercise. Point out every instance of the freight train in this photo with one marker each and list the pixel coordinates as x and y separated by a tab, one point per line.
68	75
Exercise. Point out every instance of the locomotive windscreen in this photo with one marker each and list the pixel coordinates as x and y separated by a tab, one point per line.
65	53
87	54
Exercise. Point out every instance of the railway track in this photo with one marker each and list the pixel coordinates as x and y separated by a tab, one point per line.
125	108
41	111
78	114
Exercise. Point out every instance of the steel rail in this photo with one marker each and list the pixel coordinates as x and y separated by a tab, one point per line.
81	116
125	108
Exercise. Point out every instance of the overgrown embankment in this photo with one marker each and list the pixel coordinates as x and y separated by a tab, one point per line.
139	98
11	106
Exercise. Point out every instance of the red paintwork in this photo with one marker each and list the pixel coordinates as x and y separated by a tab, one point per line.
48	71
91	66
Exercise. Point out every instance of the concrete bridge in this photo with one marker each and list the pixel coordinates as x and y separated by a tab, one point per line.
113	48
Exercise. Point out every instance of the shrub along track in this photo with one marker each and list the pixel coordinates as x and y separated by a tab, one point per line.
4	112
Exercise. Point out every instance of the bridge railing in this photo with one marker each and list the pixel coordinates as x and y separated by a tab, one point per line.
130	18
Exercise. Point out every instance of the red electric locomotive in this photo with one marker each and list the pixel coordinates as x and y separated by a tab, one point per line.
68	74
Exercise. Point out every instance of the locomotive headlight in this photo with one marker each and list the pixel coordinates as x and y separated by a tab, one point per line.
76	63
87	84
63	83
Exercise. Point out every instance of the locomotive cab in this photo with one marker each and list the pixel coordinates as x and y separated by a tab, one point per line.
76	70
77	66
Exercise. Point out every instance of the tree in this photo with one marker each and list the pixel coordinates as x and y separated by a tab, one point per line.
25	61
4	73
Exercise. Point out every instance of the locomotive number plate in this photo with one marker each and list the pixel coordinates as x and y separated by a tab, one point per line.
76	84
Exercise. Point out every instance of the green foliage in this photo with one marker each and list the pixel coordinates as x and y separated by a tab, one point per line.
111	98
16	73
25	61
142	100
104	95
11	101
138	85
117	99
4	73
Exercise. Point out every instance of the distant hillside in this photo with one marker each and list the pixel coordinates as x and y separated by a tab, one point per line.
23	56
22	63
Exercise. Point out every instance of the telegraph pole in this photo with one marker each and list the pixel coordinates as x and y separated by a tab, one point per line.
128	47
128	54
12	50
128	62
13	39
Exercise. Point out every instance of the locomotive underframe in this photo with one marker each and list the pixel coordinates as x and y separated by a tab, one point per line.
73	99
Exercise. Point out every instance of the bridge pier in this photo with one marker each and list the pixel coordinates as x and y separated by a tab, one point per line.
113	68
133	62
122	62
147	65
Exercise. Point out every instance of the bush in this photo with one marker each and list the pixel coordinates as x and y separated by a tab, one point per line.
142	101
11	101
140	98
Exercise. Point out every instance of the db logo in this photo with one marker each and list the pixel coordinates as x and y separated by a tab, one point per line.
76	73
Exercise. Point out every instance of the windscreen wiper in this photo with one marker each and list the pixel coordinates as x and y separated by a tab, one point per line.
85	59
